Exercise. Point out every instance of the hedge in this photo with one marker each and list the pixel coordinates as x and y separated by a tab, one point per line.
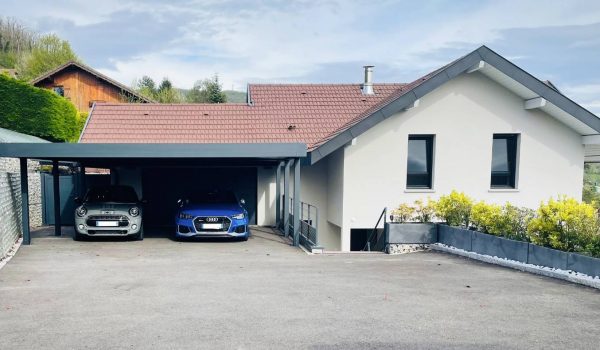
35	111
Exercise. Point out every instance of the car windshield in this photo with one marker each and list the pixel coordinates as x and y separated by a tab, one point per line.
208	197
118	194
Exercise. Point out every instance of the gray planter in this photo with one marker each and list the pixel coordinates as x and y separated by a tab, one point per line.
584	264
411	233
484	243
455	237
547	257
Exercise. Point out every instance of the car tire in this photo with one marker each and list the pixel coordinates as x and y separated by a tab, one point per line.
78	236
140	235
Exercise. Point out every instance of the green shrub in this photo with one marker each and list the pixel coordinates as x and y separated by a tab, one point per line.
487	218
454	209
403	213
38	112
424	211
565	224
515	221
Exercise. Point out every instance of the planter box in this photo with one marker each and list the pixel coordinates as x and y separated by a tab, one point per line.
484	243
456	237
547	257
584	264
411	233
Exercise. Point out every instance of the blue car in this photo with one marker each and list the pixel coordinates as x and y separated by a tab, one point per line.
212	214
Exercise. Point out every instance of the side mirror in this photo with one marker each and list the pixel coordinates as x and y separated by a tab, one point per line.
242	201
77	200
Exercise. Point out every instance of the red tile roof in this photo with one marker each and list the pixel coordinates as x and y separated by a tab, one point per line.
279	113
306	113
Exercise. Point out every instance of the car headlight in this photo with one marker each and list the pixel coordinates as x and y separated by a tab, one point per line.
238	216
185	216
81	211
135	211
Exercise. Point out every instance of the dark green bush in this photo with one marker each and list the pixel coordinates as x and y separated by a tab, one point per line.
39	112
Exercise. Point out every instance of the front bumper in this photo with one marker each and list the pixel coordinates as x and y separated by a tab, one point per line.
89	226
186	228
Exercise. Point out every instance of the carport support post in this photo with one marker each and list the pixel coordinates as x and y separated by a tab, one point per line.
297	217
278	195
25	202
56	188
286	197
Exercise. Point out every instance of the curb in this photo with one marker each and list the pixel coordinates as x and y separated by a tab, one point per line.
11	252
569	276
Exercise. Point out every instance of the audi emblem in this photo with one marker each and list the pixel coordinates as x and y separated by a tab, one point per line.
212	219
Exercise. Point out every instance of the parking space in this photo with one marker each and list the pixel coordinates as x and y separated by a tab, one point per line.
263	293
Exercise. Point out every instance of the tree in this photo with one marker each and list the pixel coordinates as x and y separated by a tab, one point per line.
39	112
207	91
15	41
165	93
48	52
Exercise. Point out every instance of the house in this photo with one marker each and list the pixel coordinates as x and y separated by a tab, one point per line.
84	86
334	156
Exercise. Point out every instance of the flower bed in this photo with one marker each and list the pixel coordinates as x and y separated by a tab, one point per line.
562	234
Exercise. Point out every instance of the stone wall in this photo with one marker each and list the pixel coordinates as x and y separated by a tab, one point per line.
10	201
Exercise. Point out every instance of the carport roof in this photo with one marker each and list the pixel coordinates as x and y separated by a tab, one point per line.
119	151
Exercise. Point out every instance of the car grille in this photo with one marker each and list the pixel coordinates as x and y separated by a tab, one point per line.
225	221
93	219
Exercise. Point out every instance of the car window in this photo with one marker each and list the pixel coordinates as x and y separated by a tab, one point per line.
118	194
207	197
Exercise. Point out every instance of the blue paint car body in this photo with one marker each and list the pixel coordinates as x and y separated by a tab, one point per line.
212	215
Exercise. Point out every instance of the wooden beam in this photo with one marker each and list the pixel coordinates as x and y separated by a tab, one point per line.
478	66
296	209
25	202
56	190
413	105
534	103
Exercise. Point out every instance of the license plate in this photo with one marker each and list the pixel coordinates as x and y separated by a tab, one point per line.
212	226
107	223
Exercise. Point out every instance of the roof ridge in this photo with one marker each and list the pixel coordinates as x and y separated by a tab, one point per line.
92	71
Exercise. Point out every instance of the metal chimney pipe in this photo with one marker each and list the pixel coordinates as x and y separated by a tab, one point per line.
367	87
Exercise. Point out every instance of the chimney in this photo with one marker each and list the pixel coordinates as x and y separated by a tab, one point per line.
367	87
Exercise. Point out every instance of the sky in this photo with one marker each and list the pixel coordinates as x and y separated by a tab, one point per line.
322	41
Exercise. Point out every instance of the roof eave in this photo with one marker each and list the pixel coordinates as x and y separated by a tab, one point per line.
458	67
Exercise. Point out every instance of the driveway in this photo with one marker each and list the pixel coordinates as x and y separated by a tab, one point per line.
158	293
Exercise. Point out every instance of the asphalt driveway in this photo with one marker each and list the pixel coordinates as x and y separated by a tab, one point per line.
157	293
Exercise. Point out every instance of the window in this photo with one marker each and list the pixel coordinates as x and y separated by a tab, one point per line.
59	90
420	161
504	161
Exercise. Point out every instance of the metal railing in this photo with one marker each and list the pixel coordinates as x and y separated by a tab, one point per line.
309	223
376	240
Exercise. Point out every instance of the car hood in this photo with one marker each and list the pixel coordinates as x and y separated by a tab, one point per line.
212	209
110	206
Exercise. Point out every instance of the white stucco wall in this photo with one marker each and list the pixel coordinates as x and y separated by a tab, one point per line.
265	204
463	114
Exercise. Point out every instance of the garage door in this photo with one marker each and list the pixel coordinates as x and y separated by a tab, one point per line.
162	187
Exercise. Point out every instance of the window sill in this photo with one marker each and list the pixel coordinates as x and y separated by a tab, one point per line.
419	190
503	190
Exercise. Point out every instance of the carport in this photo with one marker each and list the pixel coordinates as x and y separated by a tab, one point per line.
283	158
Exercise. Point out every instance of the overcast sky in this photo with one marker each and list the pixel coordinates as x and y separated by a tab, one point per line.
322	41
